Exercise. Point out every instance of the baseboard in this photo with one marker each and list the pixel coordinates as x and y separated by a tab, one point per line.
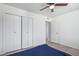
15	51
18	50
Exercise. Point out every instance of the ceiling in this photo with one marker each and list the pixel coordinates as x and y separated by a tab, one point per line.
35	7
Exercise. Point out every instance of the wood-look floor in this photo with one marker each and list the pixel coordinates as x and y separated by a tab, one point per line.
69	50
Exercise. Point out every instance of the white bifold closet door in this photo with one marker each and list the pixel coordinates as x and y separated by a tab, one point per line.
30	30
27	32
0	33
11	32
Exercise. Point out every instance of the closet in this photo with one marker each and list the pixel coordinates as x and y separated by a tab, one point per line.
27	32
0	32
20	29
16	32
11	32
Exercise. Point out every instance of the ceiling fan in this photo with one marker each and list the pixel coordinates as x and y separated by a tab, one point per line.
52	5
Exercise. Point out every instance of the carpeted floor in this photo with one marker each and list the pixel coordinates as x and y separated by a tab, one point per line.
42	50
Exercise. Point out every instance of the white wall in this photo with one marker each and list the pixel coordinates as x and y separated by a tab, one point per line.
65	29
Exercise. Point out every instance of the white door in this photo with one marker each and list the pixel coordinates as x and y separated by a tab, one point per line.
30	31
48	31
0	32
26	32
11	32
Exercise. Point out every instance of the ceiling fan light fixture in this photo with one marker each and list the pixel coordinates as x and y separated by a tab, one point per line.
51	7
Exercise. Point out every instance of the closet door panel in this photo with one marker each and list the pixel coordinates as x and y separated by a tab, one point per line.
30	30
12	32
0	32
24	32
27	32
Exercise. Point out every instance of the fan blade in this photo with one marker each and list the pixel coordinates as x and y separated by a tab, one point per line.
44	8
61	4
52	10
50	3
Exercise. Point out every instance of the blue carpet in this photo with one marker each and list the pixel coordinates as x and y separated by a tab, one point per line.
42	50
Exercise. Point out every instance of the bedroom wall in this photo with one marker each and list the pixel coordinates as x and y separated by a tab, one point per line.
65	29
